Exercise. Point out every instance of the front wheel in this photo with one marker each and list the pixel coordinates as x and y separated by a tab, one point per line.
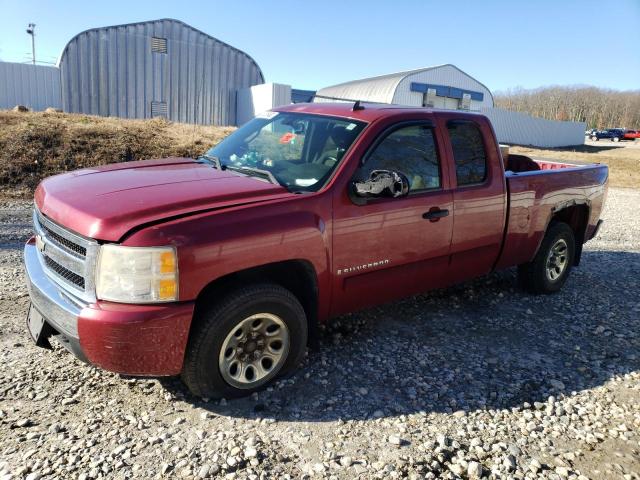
594	138
550	268
616	139
241	343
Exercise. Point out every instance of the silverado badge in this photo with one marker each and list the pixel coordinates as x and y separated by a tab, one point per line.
364	266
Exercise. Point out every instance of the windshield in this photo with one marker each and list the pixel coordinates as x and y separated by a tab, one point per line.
297	150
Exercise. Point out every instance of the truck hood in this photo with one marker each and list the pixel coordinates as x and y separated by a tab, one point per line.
106	202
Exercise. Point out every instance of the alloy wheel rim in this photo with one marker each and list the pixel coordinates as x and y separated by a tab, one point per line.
557	260
254	351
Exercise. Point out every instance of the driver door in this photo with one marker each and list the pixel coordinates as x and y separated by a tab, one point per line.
389	248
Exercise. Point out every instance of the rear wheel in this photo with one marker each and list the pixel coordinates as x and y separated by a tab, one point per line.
245	341
550	268
615	139
594	138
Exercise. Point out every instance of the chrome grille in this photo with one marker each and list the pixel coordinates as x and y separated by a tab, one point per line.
66	257
68	275
65	243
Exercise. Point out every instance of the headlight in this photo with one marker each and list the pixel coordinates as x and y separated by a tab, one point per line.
137	274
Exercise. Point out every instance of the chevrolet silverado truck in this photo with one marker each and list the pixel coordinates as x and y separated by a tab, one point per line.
220	269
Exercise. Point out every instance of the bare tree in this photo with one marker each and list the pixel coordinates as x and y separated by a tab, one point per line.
598	107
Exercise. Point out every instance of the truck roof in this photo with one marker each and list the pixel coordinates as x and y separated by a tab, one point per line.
368	113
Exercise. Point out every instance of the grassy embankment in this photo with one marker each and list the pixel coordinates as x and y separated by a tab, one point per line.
36	145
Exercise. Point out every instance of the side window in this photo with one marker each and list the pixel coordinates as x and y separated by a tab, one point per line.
468	152
409	150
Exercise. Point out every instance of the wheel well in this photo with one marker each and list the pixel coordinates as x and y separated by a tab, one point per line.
577	217
297	276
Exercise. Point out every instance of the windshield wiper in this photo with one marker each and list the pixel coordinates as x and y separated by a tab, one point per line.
212	160
257	172
251	171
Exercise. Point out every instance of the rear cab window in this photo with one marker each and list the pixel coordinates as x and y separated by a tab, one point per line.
469	153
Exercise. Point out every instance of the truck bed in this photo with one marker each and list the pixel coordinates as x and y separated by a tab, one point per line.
535	190
516	164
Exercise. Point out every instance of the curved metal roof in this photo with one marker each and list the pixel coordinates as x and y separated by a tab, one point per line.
180	22
382	88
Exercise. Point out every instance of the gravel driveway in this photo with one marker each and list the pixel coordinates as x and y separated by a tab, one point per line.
476	380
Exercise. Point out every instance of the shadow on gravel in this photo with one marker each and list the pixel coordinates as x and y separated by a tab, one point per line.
591	148
481	345
602	146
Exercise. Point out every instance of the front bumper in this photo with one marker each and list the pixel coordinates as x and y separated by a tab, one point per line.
129	339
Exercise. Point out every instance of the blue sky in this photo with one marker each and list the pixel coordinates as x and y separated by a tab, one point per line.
311	44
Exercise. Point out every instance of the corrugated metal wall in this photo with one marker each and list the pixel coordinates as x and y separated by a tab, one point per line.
34	86
521	129
112	71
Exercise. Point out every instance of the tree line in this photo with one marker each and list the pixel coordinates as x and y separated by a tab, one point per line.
598	107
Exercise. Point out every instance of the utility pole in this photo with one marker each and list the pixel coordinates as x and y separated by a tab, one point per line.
31	31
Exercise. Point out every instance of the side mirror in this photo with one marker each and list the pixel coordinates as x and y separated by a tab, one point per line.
382	183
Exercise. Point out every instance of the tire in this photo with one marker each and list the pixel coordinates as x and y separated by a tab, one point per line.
542	274
615	139
209	372
594	138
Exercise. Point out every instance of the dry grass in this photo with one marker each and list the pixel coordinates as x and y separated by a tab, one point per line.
36	145
623	161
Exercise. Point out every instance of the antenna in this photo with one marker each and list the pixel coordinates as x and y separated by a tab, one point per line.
357	106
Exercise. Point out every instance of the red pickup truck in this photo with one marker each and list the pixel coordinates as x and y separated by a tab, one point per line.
220	269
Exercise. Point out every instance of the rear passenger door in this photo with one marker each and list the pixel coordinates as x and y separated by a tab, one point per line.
393	247
479	200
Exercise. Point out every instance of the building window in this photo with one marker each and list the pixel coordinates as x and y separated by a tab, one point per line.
429	99
468	152
158	45
465	101
159	109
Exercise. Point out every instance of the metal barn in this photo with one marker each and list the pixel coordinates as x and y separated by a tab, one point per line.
442	86
448	87
155	68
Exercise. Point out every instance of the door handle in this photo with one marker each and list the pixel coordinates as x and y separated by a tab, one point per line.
435	214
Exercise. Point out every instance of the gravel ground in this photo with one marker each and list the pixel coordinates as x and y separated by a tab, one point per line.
476	380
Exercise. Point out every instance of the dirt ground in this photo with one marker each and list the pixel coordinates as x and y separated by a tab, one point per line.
480	379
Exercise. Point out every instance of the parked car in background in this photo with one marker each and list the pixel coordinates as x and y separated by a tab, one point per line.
631	134
590	132
220	269
613	134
